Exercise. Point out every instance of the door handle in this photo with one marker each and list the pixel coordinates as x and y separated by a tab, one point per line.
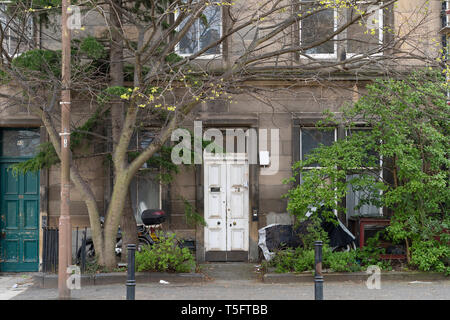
218	223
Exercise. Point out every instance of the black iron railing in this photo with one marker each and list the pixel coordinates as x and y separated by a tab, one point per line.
50	249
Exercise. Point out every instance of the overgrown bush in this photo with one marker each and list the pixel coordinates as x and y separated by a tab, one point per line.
293	260
302	259
345	261
410	119
165	256
430	256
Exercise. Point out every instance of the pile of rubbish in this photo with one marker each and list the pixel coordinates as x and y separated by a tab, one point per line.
278	236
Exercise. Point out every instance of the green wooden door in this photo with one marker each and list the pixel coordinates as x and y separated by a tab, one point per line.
19	203
19	221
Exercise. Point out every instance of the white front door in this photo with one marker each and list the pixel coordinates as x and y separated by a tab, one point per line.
226	207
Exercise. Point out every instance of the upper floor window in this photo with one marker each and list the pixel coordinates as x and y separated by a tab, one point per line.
365	35
316	26
16	30
206	30
320	21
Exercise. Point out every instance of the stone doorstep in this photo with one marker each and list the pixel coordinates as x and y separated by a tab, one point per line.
50	281
352	276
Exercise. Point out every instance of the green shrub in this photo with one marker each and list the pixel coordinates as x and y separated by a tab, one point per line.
345	261
293	260
300	260
371	252
165	256
430	256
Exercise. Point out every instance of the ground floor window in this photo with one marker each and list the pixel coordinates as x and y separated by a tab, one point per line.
145	188
145	193
311	138
359	200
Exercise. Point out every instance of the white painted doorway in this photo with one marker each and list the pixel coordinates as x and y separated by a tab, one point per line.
226	194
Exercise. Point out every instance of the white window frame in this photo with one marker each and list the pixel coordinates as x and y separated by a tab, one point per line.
380	33
447	16
203	56
325	56
365	169
330	56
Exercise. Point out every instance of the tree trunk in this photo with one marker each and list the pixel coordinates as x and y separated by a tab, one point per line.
408	252
127	221
114	216
128	227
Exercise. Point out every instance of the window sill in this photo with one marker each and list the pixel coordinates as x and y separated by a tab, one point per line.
203	57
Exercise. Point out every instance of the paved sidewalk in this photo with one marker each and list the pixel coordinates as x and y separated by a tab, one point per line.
14	284
238	281
254	290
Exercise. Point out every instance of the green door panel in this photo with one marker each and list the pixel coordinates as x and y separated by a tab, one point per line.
19	223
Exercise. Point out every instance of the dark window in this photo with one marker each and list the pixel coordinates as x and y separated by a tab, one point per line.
311	138
315	27
19	143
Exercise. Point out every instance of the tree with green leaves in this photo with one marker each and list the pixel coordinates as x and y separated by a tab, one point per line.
395	154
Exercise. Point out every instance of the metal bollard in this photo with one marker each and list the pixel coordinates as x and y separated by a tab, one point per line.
318	277
131	280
